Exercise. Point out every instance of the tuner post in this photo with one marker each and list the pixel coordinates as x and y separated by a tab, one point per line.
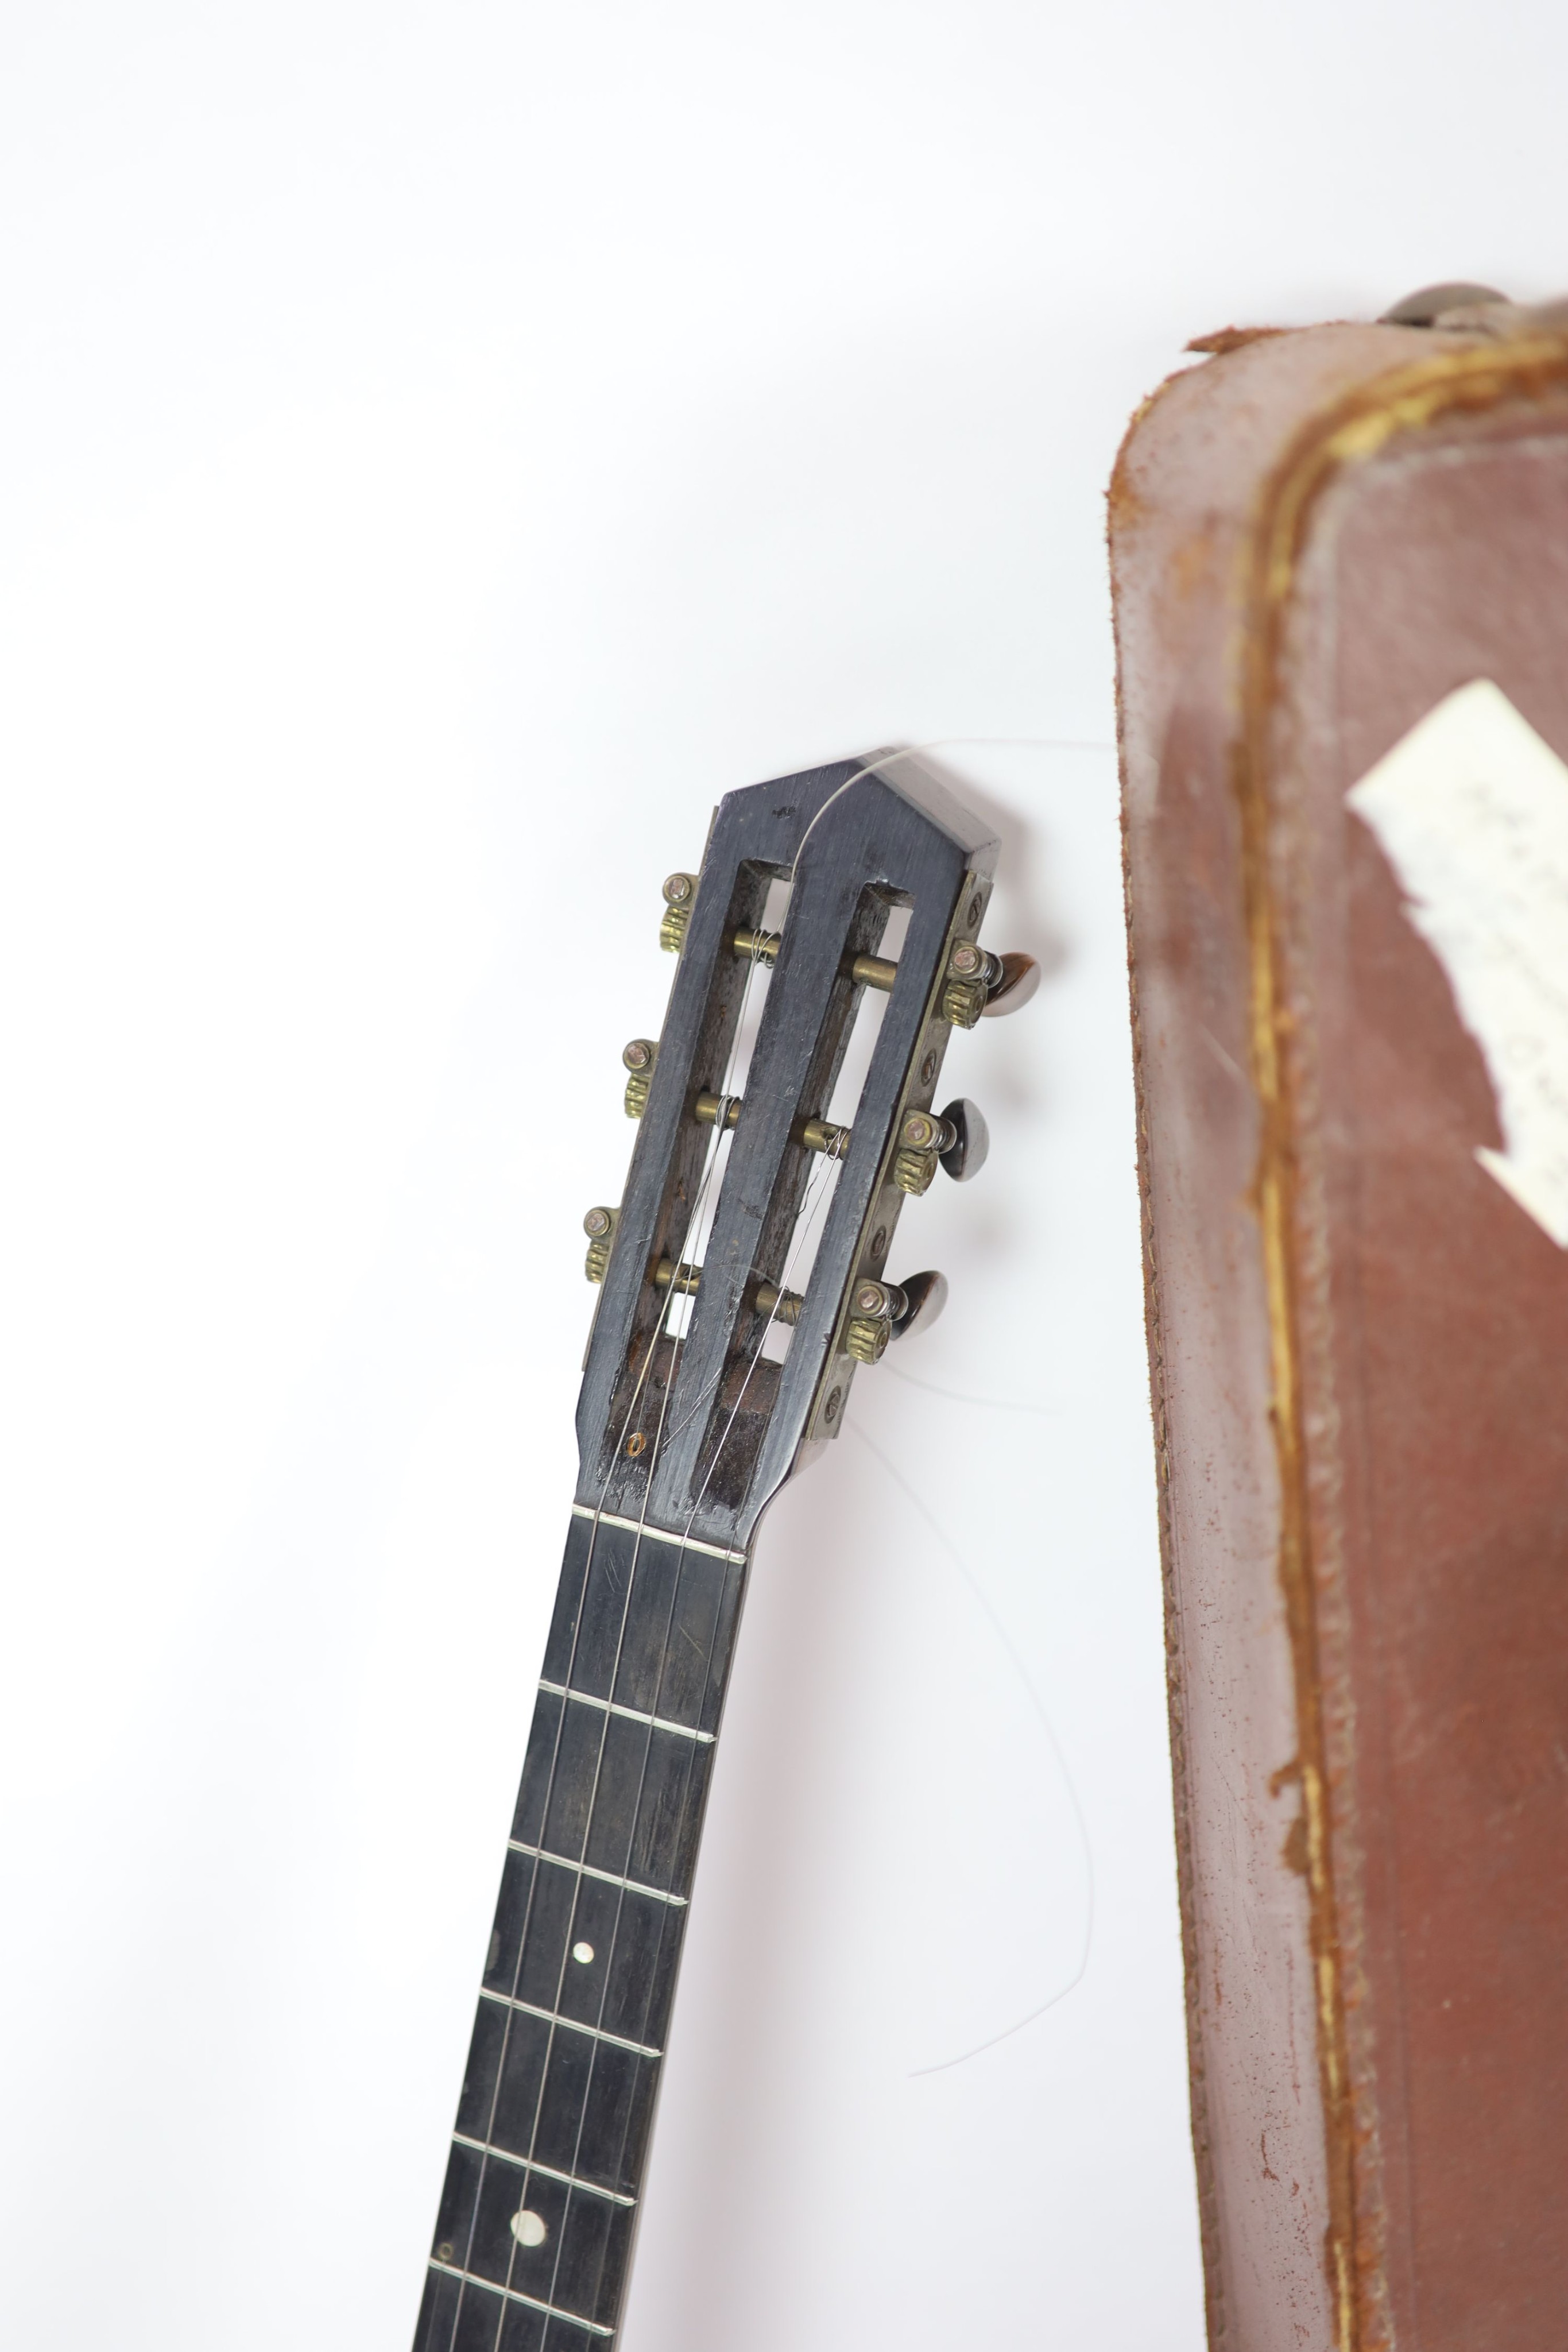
778	1305
707	1108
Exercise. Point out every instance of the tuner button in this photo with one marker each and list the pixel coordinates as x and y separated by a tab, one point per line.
965	1156
639	1057
600	1226
924	1296
1013	985
680	889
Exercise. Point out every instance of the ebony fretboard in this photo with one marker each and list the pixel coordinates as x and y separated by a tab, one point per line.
534	2237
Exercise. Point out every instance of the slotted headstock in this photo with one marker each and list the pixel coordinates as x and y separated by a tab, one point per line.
744	1199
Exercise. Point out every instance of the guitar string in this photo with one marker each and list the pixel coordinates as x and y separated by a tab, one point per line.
720	1125
817	1191
691	1232
982	1598
827	1159
805	1220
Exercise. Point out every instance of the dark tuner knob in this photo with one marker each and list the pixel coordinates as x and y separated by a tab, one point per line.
1425	307
924	1297
966	1155
1015	983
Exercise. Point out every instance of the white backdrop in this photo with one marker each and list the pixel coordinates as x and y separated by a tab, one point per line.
445	447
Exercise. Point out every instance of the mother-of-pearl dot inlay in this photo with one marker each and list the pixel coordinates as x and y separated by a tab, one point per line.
529	2229
584	1952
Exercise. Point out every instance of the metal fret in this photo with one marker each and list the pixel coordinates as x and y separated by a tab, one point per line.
632	1713
660	1535
606	1878
516	2295
546	2171
554	2017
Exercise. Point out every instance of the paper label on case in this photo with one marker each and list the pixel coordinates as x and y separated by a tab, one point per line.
1471	808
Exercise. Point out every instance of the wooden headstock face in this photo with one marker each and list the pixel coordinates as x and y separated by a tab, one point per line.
770	1222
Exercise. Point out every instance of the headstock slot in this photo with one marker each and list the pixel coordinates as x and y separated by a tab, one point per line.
725	1016
787	1237
755	980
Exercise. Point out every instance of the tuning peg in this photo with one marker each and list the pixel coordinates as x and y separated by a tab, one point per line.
1014	985
966	1140
957	1139
980	983
924	1295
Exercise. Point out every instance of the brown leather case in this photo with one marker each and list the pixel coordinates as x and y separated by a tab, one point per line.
1358	1337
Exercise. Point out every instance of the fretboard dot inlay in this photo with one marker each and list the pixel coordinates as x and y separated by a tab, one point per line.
584	1952
529	2229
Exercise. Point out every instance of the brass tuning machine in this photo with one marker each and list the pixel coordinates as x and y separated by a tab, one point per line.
956	1139
884	1311
980	983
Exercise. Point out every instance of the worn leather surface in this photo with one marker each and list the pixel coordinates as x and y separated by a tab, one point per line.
1359	1342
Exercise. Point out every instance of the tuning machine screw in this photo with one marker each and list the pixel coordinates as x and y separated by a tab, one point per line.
957	1139
680	889
600	1226
639	1057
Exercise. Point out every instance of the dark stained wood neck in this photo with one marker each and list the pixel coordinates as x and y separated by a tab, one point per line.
533	2240
684	1442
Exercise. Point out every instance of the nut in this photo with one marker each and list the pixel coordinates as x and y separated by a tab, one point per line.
965	959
